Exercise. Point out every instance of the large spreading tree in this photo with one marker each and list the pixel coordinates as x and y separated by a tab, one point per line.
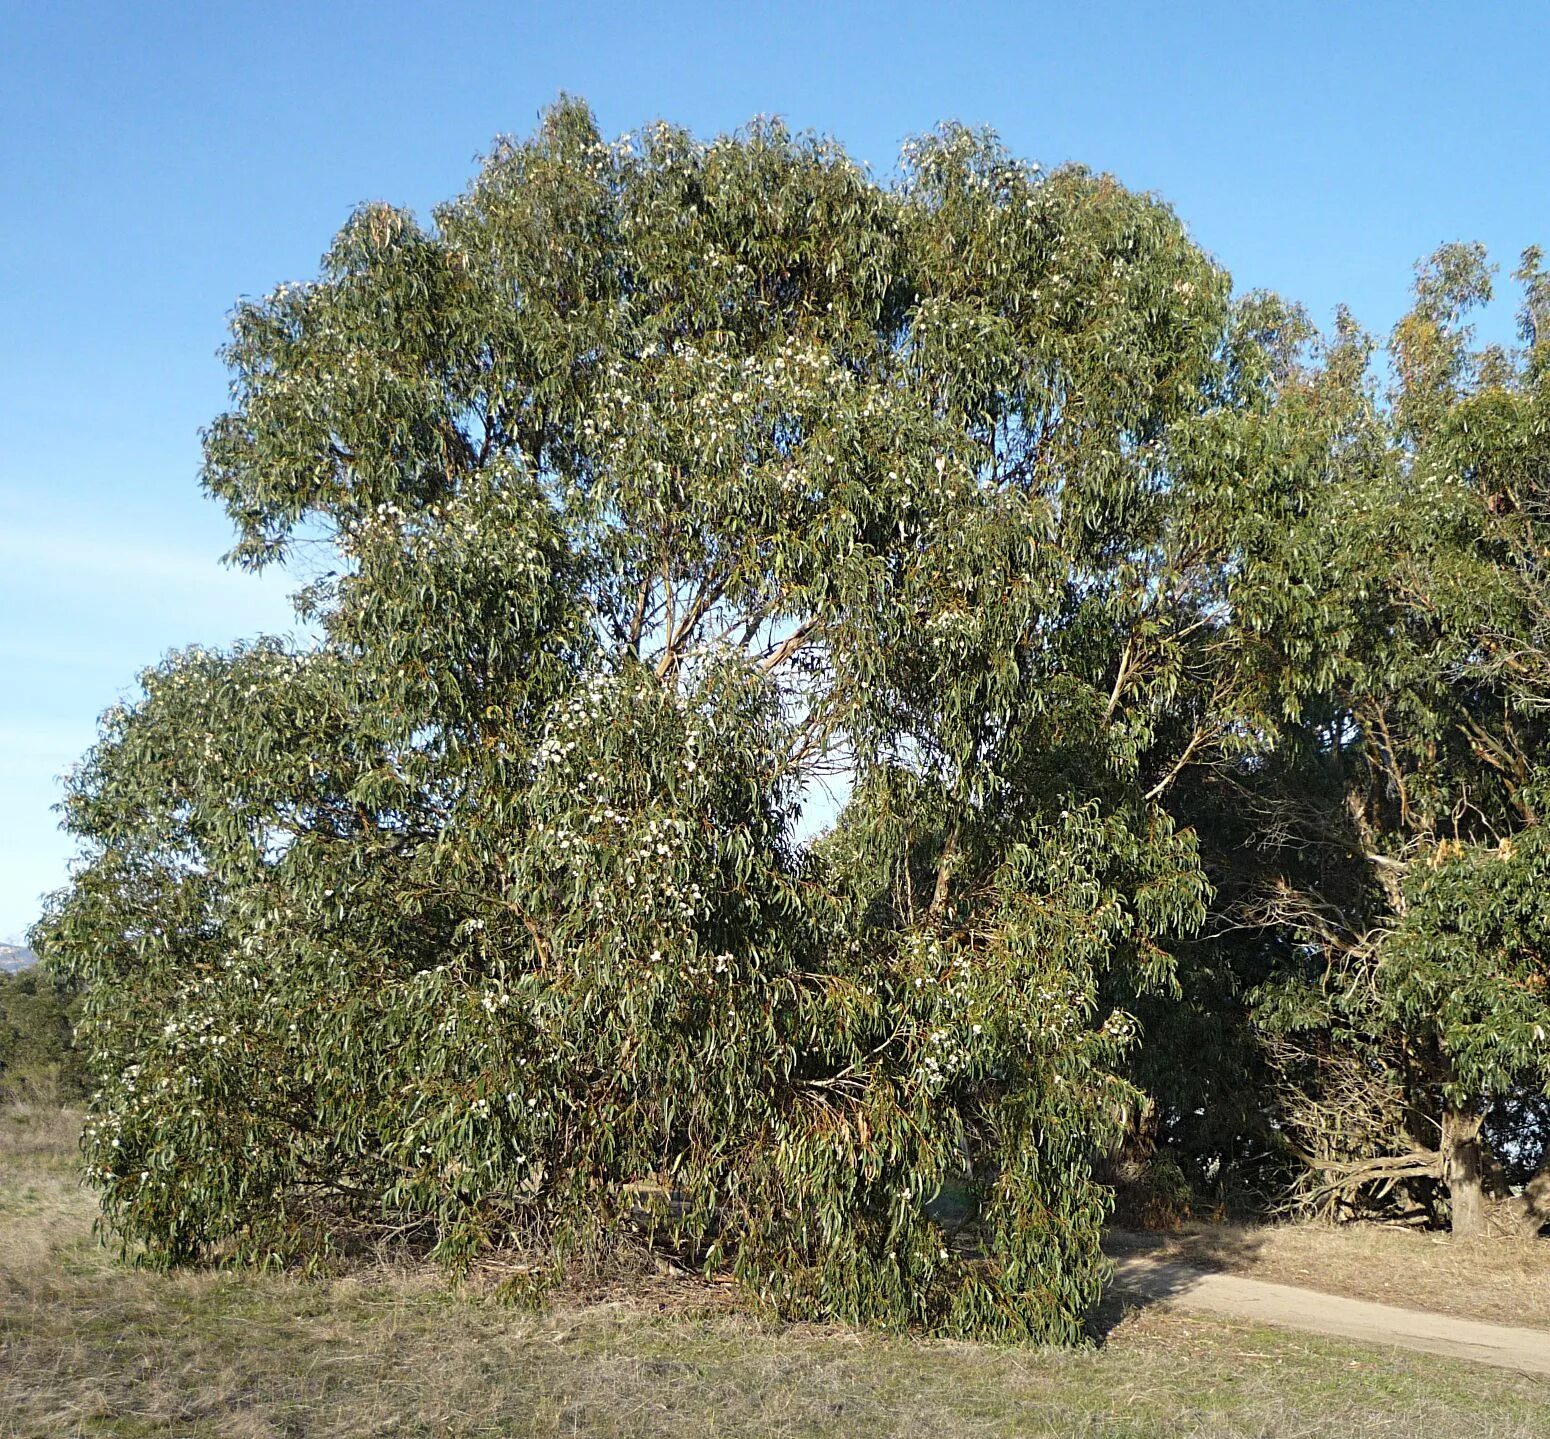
661	491
658	483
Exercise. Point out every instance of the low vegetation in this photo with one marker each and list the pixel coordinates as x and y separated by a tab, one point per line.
92	1346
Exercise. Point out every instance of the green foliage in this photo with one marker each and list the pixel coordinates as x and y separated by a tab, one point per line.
663	480
1471	960
38	1056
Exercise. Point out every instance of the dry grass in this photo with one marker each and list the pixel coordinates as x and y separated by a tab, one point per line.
1506	1281
89	1347
47	1130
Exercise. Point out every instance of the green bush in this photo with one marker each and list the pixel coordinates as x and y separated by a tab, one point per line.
38	1055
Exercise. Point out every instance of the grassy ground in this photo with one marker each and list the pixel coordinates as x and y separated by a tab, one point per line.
1504	1281
88	1347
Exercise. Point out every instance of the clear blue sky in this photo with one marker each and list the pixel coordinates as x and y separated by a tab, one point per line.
157	161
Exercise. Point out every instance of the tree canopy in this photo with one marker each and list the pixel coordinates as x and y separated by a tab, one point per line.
1169	683
1424	976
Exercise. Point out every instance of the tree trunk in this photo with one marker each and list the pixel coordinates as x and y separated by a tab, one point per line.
1462	1170
944	874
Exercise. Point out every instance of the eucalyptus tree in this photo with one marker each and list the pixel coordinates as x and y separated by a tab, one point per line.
1412	1009
653	484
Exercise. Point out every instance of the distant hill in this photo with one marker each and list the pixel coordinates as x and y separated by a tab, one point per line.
14	957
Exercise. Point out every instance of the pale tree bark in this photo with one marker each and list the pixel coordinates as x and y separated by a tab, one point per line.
1463	1171
944	873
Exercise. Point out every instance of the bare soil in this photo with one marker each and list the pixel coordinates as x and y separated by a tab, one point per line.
1502	1281
1284	1306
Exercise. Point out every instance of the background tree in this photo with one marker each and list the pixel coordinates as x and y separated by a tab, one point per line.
38	1056
1402	866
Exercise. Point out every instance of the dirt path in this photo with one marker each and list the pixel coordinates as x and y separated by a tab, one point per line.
1281	1305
